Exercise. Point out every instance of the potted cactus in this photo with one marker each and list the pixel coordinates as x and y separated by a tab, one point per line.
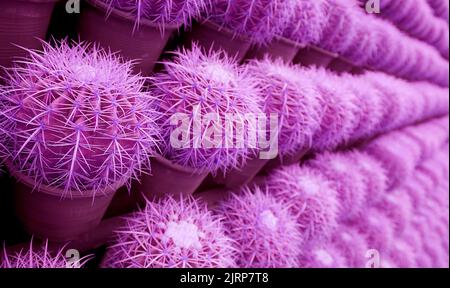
234	26
193	87
43	258
77	126
22	23
171	233
265	232
139	29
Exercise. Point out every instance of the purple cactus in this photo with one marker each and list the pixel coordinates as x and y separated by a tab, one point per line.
350	186
311	198
171	233
440	8
76	119
159	12
324	255
398	206
352	245
339	111
40	258
266	233
197	85
308	22
259	20
293	98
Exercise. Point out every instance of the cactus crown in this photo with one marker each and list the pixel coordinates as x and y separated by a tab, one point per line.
160	12
197	84
75	119
260	20
171	233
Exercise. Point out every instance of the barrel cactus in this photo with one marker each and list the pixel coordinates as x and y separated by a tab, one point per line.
259	20
265	231
75	118
194	86
171	233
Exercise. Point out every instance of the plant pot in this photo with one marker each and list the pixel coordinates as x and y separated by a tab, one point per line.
280	47
312	55
211	36
239	177
115	31
125	201
213	197
341	65
23	23
45	214
169	179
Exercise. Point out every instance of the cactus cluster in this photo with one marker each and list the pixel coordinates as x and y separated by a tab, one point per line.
171	233
259	20
197	84
75	118
159	12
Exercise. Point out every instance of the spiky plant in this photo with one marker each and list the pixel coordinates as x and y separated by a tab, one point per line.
266	233
339	109
40	258
75	118
293	98
195	85
159	12
339	169
308	22
402	254
398	206
259	20
171	233
311	198
323	255
352	245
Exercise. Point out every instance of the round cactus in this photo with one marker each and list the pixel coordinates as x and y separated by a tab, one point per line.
308	22
325	255
159	12
75	118
350	186
293	98
339	110
259	20
40	258
397	205
266	233
352	245
196	85
171	233
310	197
402	254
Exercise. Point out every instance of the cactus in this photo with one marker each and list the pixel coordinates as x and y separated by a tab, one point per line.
197	84
293	98
324	255
352	245
339	170
308	22
259	20
310	197
75	118
40	258
266	233
171	233
159	12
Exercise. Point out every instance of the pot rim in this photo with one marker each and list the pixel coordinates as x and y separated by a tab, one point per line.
220	28
128	16
54	191
287	41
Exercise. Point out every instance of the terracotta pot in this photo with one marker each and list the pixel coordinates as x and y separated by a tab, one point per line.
213	197
312	55
341	65
115	32
23	23
239	177
169	178
209	35
280	47
45	214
